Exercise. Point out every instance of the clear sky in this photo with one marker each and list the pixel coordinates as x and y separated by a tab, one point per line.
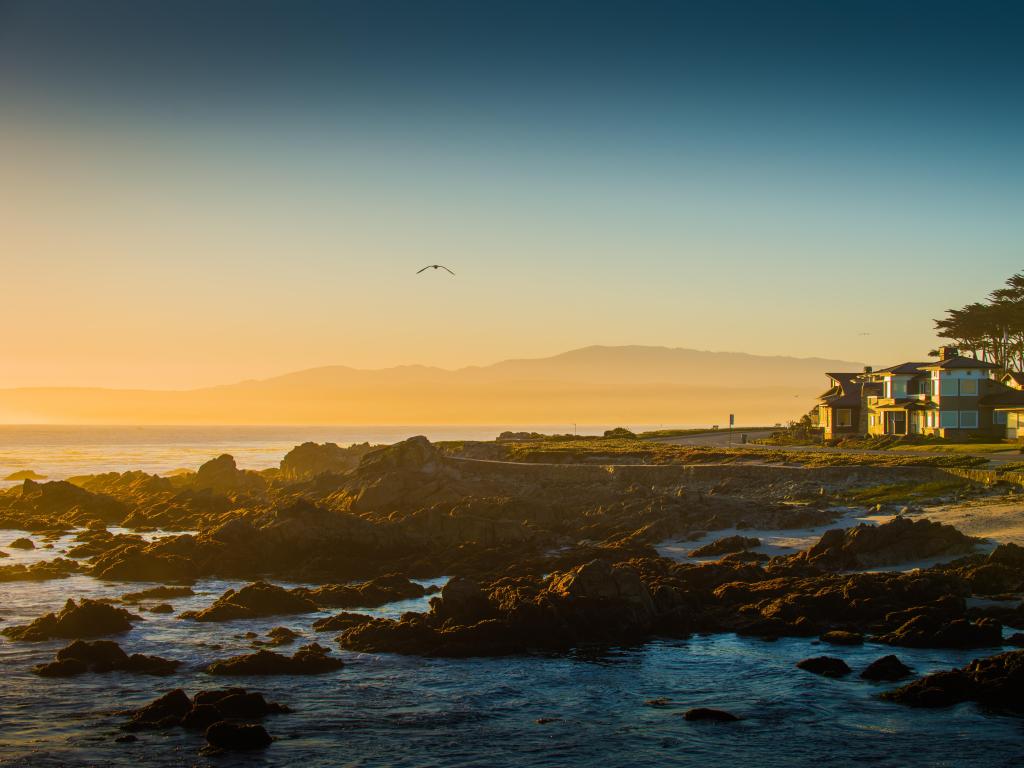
202	192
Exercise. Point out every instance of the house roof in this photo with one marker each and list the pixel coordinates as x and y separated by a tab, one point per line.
906	405
1008	398
904	368
1016	376
847	393
959	362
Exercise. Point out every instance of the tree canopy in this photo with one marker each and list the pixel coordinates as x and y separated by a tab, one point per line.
992	330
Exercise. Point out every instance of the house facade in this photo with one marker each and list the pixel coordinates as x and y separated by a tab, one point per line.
954	397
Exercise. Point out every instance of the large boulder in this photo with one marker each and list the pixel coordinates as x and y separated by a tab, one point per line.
238	737
887	668
727	545
254	601
901	540
103	656
310	460
310	659
221	475
930	631
87	618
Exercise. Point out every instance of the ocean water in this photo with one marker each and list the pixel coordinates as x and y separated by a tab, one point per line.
59	452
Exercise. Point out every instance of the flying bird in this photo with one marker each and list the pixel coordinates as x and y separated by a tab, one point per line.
435	266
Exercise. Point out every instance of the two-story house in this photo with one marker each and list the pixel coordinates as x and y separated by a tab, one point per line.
953	397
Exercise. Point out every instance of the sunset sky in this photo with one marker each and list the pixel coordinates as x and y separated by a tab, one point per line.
196	193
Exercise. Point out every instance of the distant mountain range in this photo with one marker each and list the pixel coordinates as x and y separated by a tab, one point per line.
595	385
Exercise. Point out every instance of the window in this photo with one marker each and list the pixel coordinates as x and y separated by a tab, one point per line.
968	387
899	388
948	420
948	387
931	418
968	419
871	419
844	417
999	417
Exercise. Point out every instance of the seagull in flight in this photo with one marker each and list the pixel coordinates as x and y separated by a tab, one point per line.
435	266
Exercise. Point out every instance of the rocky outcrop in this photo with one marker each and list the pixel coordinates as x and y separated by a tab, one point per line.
993	682
371	594
930	631
727	545
253	601
221	475
103	656
309	460
310	659
340	622
36	506
828	666
706	713
887	668
237	737
175	709
84	619
22	543
157	593
901	540
43	570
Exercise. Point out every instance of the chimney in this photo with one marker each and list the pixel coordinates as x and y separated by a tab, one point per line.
868	369
947	352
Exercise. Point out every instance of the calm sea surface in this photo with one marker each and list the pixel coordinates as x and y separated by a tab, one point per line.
384	710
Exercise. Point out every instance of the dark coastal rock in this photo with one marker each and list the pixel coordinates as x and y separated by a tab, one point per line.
59	503
726	545
254	601
340	622
157	593
165	712
929	631
170	559
162	608
22	543
282	636
202	710
103	656
238	737
44	570
24	474
87	618
887	668
900	540
222	475
310	659
995	682
706	713
825	665
371	594
842	637
310	460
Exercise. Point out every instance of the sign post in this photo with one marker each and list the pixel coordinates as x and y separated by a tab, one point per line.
732	420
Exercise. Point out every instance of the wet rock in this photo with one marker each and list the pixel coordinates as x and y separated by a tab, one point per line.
157	593
995	682
238	737
128	738
929	631
222	475
202	710
162	608
165	712
340	622
887	668
254	601
900	540
44	570
22	543
310	460
842	637
103	656
282	636
371	594
726	545
828	666
706	713
310	659
85	619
